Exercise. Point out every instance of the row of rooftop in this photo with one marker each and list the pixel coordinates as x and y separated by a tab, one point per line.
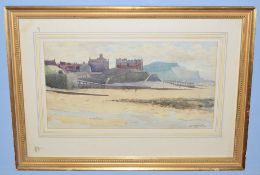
99	64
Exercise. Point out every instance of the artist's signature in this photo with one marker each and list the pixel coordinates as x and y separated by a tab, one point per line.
197	126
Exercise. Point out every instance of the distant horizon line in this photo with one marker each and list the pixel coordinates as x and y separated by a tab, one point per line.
107	59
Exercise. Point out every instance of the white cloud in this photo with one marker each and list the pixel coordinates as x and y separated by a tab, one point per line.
199	55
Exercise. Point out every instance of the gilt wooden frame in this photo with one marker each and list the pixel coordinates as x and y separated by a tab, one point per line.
25	162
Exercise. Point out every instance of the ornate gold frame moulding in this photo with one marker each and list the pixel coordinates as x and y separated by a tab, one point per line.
25	162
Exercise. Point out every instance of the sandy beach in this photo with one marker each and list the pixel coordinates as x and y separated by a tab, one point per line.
106	110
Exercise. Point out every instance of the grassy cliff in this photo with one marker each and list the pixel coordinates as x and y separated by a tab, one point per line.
56	78
116	75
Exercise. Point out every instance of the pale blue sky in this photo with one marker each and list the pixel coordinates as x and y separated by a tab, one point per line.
194	55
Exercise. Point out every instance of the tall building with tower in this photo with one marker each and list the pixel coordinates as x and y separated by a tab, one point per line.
99	64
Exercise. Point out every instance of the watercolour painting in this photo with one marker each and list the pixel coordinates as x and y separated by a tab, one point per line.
130	84
130	88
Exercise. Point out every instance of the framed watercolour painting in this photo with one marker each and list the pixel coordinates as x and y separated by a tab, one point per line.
130	88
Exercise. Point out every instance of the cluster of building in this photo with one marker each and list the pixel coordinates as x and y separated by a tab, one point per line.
99	64
129	64
68	67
